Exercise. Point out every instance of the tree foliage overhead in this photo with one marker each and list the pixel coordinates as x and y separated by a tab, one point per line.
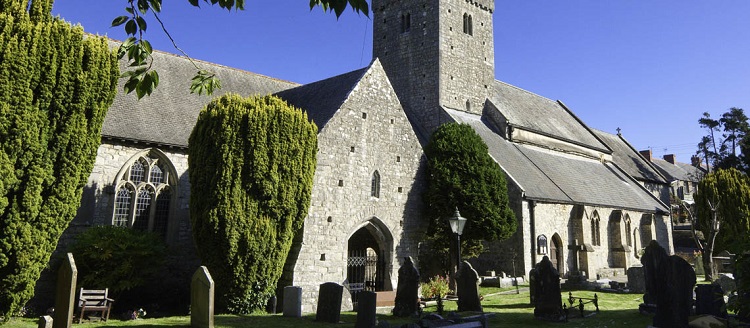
727	141
461	174
251	173
729	192
143	80
55	88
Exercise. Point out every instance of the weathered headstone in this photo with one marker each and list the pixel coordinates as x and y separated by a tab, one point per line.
45	321
202	299
366	310
547	297
271	305
669	285
727	282
532	286
467	281
65	293
709	299
293	301
329	302
636	279
407	291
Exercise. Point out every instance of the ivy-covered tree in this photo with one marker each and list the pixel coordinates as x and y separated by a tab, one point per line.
461	174
722	206
251	173
55	88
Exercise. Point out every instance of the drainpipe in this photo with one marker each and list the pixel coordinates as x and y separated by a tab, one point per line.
532	223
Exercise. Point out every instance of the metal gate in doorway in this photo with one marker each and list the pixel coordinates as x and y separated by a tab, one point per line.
365	272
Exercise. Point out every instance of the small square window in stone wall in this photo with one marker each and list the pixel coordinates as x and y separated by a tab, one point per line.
391	121
364	115
400	189
330	219
398	158
351	149
341	183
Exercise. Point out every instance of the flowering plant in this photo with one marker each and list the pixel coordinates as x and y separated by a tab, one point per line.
437	287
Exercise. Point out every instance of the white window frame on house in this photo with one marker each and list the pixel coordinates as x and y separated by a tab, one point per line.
145	193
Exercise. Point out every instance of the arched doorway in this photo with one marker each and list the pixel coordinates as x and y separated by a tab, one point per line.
369	254
556	254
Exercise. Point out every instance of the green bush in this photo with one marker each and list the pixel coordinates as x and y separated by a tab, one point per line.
436	287
252	161
117	258
55	88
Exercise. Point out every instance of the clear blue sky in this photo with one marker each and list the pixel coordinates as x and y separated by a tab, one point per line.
649	67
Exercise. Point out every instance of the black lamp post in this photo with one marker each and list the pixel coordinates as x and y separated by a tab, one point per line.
457	224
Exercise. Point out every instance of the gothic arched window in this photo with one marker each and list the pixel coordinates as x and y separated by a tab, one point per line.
595	234
468	28
143	193
628	236
375	186
541	245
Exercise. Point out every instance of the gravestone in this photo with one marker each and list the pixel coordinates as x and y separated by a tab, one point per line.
532	286
366	307
45	321
636	279
727	282
271	305
547	297
293	301
467	281
329	302
407	290
709	299
65	293
202	299
669	285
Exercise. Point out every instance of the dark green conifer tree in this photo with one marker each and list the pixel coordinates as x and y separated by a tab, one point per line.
251	172
55	88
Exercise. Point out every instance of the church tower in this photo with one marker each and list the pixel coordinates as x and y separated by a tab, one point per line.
436	53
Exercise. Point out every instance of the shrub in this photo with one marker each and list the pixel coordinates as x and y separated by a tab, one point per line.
436	287
55	88
253	160
117	258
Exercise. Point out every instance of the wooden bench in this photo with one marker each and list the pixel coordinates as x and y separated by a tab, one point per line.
94	300
582	301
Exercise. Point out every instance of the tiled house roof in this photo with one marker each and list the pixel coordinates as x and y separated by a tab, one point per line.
629	159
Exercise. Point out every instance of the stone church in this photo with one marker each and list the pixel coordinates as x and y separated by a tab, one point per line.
583	197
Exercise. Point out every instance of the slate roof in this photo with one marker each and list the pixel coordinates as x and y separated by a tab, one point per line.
678	171
168	115
552	176
323	98
523	109
629	159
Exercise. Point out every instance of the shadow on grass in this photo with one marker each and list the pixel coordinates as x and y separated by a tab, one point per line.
507	306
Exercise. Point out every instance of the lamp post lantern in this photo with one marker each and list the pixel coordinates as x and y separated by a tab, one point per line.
457	224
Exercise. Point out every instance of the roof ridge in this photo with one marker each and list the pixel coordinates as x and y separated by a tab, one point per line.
526	91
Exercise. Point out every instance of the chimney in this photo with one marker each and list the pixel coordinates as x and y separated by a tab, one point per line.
695	161
669	158
646	154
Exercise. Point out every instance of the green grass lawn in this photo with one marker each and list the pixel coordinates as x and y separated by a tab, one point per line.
510	310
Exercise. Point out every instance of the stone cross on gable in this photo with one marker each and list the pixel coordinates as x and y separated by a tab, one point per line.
618	131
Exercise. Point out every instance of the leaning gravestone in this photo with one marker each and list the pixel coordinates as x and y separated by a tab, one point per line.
329	302
293	301
669	285
45	321
547	298
467	281
407	290
709	299
65	293
636	280
366	307
202	299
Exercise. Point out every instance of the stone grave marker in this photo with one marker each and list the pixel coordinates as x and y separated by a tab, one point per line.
45	321
636	279
407	290
547	297
467	281
366	307
709	299
669	285
65	294
202	299
727	282
329	302
292	301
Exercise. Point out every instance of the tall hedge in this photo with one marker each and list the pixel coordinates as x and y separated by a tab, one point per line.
462	174
55	88
729	191
251	164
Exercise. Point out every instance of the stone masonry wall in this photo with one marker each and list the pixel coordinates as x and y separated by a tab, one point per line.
369	132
